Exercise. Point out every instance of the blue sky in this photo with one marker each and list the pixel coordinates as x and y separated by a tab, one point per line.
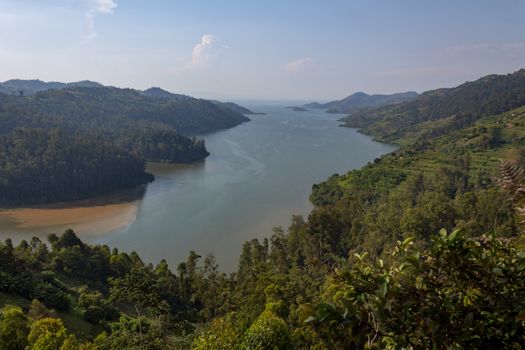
272	49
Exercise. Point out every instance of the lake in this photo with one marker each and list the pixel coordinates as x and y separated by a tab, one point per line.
258	175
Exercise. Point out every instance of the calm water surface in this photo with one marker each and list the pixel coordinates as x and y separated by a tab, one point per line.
257	176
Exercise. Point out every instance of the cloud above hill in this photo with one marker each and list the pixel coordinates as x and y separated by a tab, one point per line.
98	7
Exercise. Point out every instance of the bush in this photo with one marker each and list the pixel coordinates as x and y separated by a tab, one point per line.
268	332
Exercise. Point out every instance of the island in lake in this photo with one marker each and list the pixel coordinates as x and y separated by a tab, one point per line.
297	109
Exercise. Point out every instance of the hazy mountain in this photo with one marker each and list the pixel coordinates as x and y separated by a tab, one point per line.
361	100
31	87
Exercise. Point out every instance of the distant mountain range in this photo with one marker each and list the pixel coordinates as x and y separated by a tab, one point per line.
361	100
31	87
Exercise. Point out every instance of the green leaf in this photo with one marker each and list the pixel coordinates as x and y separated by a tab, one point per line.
383	288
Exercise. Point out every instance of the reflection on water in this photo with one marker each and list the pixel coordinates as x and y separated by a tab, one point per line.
257	176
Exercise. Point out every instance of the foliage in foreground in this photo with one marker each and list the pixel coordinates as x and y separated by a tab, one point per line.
462	293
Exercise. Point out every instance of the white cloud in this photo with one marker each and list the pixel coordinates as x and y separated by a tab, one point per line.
202	52
98	7
298	65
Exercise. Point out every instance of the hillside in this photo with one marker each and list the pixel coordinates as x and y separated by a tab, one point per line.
157	92
129	125
489	95
361	100
42	166
113	107
31	87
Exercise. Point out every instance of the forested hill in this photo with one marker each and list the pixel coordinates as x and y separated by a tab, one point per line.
113	105
489	95
361	100
22	87
131	127
228	106
41	166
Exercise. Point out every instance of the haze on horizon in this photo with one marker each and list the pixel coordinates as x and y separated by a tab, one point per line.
273	50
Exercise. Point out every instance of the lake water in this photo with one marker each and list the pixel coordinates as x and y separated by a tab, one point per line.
257	176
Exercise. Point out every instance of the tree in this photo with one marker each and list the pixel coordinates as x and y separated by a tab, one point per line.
139	288
268	332
47	334
14	329
220	335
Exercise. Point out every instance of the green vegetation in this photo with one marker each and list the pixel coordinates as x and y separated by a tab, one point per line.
91	140
490	95
423	248
459	293
49	165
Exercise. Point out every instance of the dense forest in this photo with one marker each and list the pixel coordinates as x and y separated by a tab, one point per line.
107	132
107	106
39	166
421	249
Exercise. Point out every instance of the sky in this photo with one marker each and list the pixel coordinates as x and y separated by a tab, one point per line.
262	50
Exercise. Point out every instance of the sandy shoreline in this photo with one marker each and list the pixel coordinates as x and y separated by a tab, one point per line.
89	217
84	220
